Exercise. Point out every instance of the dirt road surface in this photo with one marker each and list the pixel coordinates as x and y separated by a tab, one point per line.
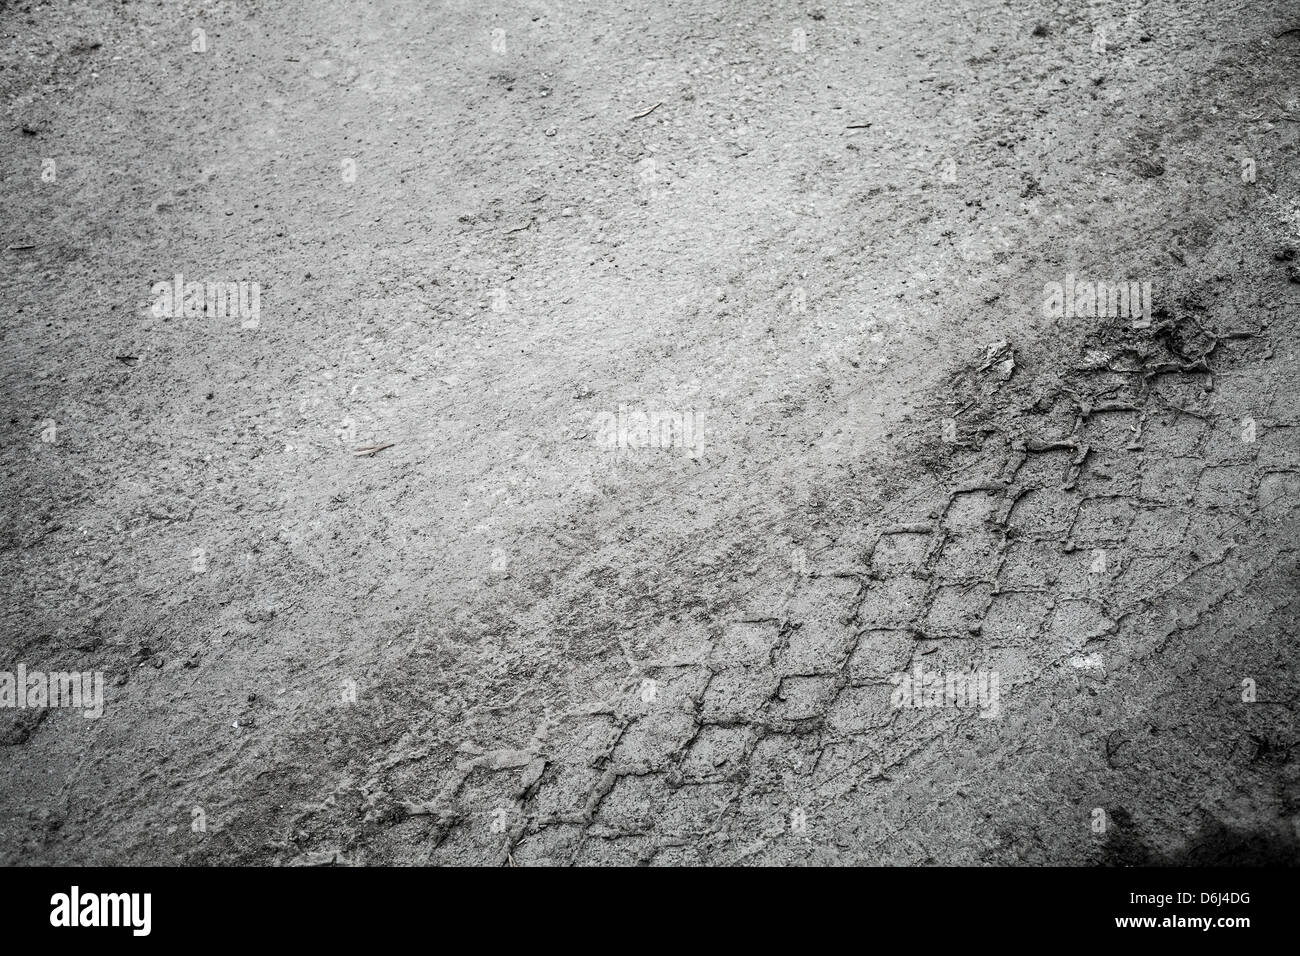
387	566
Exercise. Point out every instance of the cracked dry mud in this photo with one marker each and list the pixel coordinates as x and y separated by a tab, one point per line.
564	654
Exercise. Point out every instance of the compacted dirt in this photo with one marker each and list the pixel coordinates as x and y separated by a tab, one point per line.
820	233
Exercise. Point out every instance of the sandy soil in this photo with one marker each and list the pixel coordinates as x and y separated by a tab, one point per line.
498	640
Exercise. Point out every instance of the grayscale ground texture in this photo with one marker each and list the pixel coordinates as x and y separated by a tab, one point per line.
496	641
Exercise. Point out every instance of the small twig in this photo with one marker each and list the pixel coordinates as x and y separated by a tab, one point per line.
1278	36
371	449
30	245
649	111
1040	445
858	126
1113	749
1178	408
